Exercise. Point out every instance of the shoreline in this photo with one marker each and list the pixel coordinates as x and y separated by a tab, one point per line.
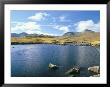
63	44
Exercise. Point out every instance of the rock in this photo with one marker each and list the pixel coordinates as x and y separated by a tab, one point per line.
94	69
52	66
97	75
73	72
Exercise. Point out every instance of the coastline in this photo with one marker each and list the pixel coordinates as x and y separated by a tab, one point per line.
63	44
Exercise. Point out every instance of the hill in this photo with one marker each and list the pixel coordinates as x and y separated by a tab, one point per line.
86	37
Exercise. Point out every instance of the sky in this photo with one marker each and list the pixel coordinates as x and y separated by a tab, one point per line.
54	22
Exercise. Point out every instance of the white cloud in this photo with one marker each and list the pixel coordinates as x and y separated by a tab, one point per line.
39	32
32	27
29	27
62	28
25	27
49	34
63	19
89	24
38	16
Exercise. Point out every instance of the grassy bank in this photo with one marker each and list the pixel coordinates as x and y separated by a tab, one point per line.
56	40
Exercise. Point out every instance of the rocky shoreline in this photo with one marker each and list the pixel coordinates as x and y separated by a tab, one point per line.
78	44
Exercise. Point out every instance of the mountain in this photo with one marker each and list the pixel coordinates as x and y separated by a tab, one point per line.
86	31
86	37
90	31
23	34
71	34
14	35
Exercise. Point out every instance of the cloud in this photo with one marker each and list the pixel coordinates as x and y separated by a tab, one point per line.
25	27
33	32
45	33
89	24
38	16
62	28
63	19
29	27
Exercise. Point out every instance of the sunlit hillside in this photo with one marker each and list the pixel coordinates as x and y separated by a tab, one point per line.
82	38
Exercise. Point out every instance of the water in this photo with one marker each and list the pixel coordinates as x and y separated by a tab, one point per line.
32	60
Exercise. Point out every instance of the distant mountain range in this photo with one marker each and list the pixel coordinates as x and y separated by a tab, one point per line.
71	34
24	34
86	30
19	35
78	33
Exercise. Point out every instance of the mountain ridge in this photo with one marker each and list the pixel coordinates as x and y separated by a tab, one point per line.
23	34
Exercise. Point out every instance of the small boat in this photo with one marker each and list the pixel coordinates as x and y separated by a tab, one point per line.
52	66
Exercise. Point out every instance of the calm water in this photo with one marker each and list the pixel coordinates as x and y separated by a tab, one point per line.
32	60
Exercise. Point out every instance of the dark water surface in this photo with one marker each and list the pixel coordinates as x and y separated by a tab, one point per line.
32	60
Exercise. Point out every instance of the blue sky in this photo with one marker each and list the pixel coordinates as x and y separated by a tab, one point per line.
54	22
